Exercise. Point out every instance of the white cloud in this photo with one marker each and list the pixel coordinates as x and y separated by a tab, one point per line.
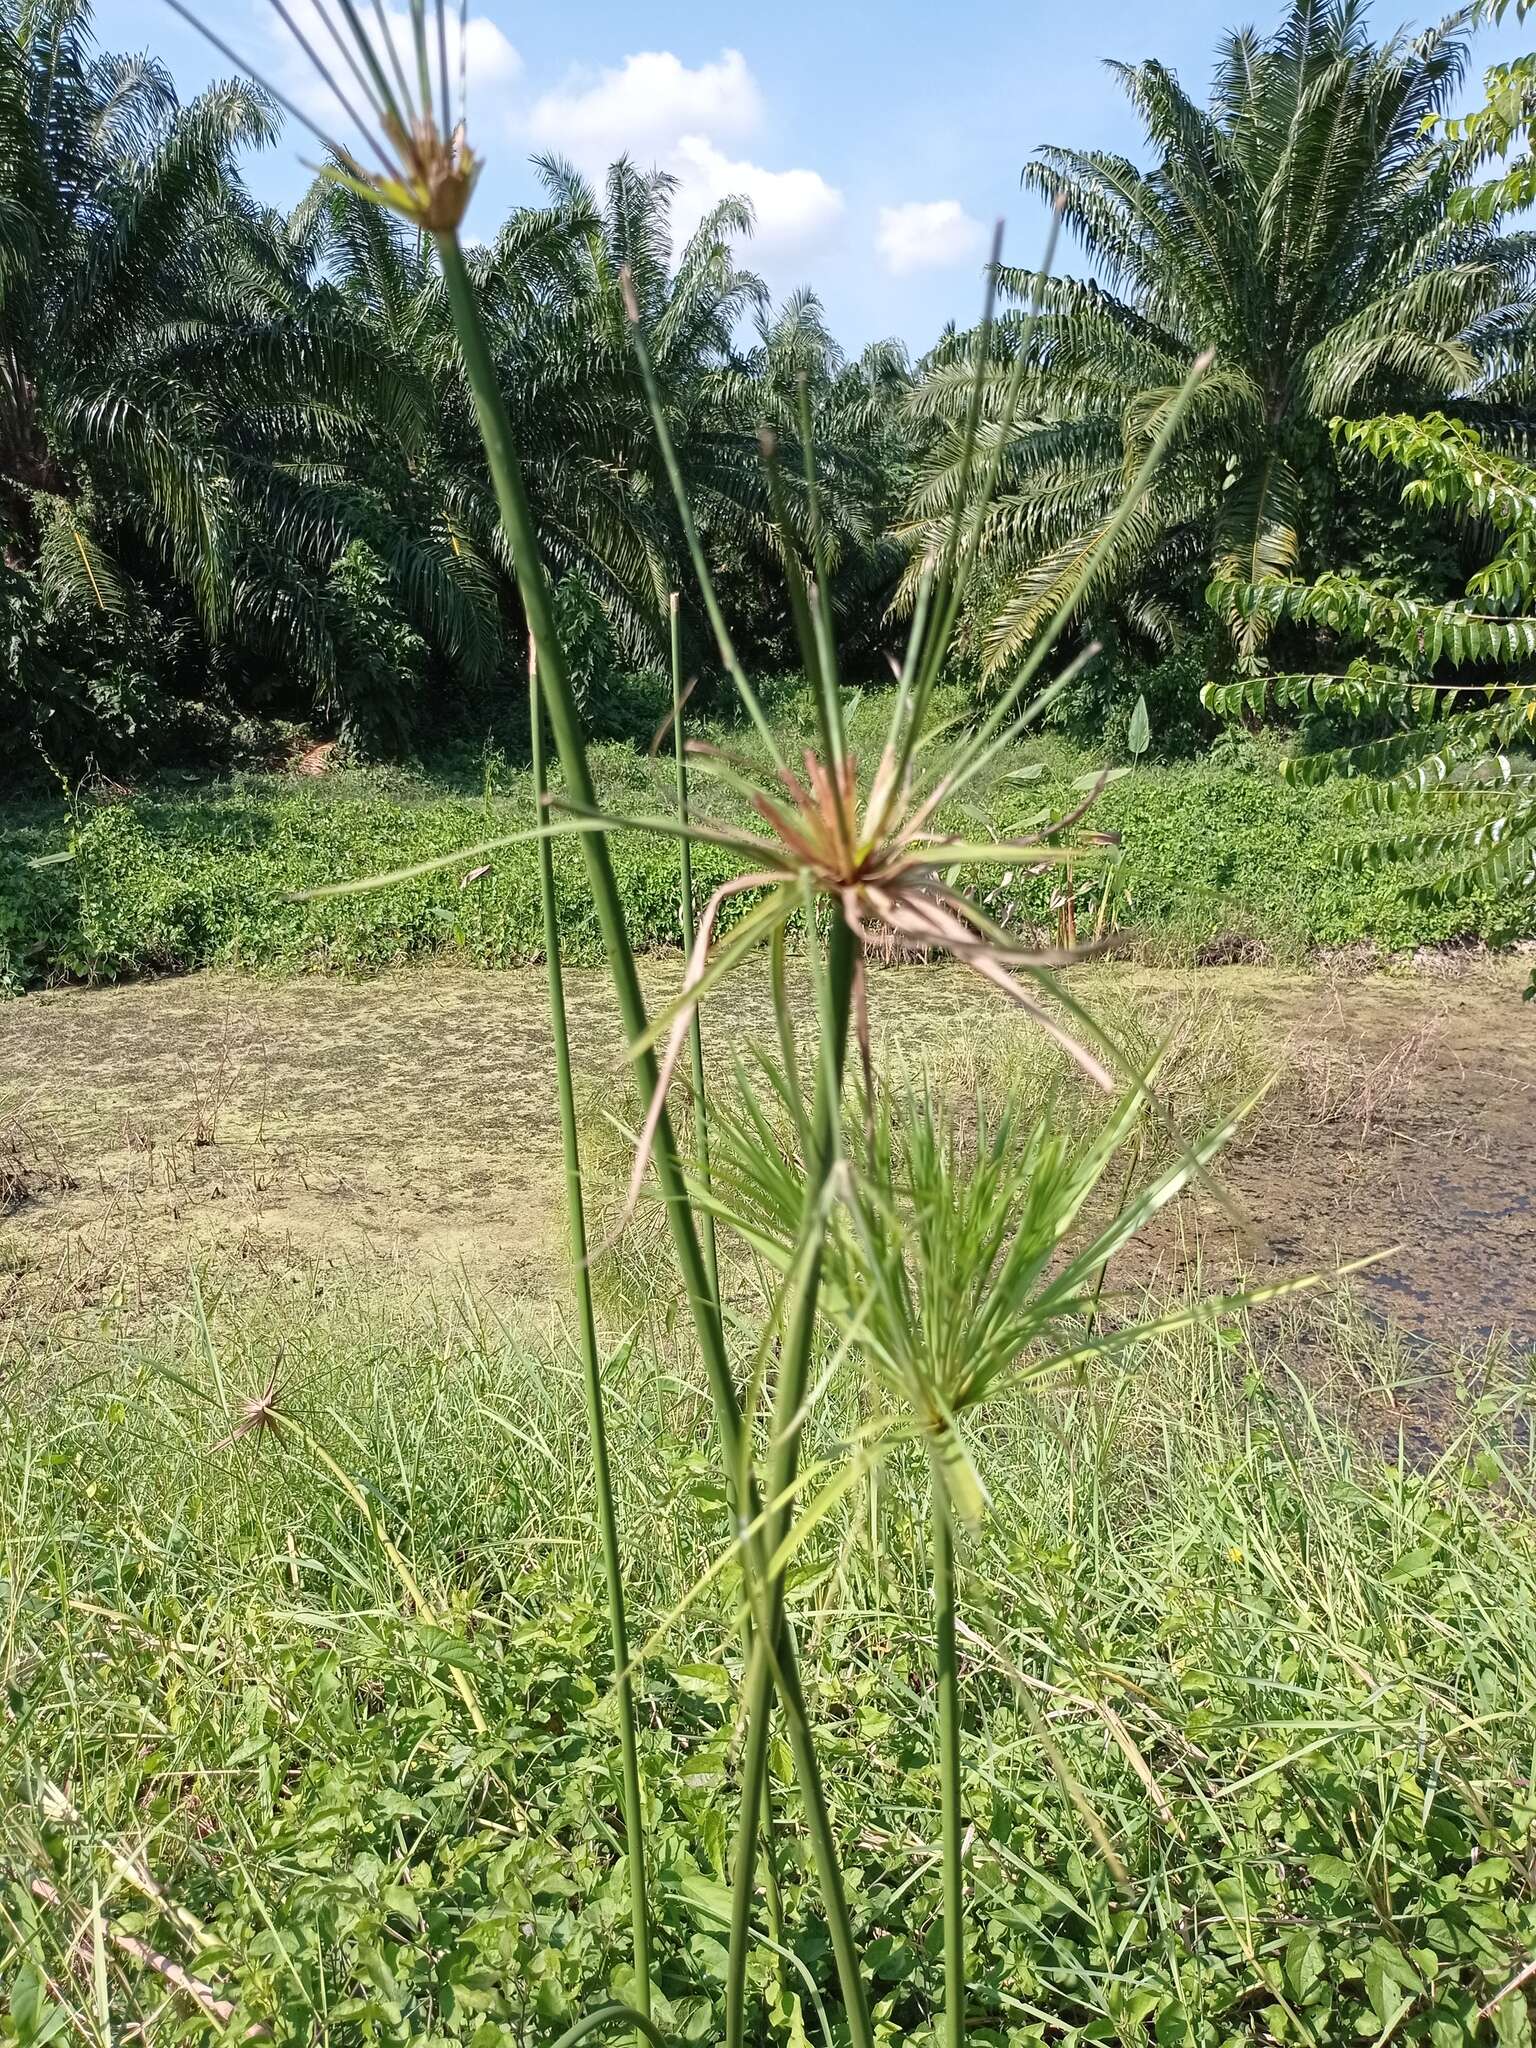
793	208
936	234
679	118
644	107
491	63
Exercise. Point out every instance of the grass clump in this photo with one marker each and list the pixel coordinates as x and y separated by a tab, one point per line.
1271	1647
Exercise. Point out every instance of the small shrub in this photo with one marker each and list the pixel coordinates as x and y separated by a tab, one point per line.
1096	711
39	911
629	705
177	886
380	659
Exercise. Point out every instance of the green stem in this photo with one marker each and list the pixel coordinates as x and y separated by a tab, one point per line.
517	519
602	1471
695	1028
701	1147
775	1895
765	1671
756	1701
950	1788
611	2016
788	1426
565	721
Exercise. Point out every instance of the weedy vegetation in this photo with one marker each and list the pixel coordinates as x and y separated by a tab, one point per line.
980	1650
1269	1644
1219	859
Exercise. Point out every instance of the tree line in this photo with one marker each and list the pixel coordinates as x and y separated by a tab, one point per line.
241	486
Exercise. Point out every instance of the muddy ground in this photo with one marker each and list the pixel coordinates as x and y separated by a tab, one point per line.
412	1119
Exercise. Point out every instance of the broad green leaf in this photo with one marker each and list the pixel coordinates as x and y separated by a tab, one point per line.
1304	1961
1139	738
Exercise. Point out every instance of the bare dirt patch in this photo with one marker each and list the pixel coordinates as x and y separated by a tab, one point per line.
1414	1123
1403	1115
413	1119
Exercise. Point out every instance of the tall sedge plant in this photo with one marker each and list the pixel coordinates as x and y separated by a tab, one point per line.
660	1141
400	101
946	1281
426	172
853	856
591	1359
773	1663
874	860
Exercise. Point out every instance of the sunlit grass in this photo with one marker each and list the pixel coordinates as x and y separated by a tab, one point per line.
1278	1633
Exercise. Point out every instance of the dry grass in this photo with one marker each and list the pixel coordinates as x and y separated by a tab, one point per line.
1361	1087
1213	1053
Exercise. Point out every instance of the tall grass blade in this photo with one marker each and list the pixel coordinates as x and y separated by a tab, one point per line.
738	675
685	908
828	716
564	716
591	1359
828	685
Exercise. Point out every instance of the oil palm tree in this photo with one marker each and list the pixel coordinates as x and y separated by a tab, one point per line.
550	291
561	339
187	424
240	447
796	379
1300	224
109	191
554	289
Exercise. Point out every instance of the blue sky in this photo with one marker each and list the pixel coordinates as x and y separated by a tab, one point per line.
878	146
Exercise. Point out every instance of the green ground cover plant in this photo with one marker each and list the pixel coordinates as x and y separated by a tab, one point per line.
171	883
1274	1652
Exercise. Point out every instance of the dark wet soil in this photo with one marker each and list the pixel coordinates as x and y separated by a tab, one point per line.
1414	1124
413	1118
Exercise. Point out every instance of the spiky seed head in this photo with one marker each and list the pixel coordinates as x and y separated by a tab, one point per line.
427	169
258	1414
433	176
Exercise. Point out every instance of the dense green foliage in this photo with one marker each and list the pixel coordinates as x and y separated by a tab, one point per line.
1290	1677
1300	226
1221	854
1438	720
242	496
1504	125
194	444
